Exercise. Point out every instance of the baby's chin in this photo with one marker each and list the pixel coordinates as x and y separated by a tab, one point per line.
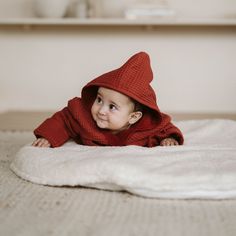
103	125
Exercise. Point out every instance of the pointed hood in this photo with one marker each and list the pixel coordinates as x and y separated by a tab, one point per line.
132	79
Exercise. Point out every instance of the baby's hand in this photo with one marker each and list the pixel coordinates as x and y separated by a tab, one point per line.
169	142
41	142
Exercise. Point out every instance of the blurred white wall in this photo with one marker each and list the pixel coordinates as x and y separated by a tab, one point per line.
191	8
194	68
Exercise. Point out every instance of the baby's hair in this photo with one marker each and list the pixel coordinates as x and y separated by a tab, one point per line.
138	106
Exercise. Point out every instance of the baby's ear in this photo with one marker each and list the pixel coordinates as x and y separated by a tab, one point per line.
135	116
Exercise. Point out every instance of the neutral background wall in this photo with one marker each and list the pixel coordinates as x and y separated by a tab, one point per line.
194	67
191	8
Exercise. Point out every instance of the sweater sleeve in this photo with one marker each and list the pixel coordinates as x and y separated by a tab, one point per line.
56	129
170	130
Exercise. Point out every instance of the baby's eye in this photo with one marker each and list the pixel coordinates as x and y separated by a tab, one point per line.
99	100
112	107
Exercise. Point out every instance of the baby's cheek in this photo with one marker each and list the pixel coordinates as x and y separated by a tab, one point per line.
93	109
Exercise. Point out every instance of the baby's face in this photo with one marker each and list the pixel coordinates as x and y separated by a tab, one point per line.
112	110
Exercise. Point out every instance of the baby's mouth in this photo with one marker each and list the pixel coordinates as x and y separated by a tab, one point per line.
101	119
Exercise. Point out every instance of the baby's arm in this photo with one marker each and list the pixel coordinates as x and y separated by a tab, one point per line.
41	142
170	135
169	142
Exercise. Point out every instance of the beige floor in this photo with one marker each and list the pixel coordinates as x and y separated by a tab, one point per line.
27	121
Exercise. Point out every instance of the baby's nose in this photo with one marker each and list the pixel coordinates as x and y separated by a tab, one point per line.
103	110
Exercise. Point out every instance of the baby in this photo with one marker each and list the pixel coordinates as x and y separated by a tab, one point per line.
117	108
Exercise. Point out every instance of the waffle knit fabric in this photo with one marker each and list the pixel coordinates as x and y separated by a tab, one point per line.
132	79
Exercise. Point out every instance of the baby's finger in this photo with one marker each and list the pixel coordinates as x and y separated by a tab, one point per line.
43	143
165	142
172	143
176	143
47	144
35	143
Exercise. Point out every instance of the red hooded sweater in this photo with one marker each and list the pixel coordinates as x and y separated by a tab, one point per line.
132	79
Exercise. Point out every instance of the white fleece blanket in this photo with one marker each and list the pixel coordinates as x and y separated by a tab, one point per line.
205	167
